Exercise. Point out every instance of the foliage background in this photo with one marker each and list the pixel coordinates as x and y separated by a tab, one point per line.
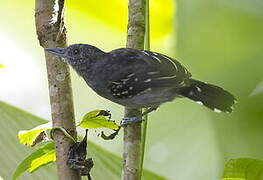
219	41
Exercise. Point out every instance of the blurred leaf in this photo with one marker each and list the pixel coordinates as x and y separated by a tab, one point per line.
243	169
12	152
33	136
41	157
111	165
94	119
1	66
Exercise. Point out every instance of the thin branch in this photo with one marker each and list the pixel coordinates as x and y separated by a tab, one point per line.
132	133
52	33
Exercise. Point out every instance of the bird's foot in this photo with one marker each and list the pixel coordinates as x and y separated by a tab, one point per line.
130	120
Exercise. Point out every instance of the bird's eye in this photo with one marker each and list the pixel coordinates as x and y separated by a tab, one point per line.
75	51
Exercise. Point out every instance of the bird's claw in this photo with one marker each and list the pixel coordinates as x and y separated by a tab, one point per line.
130	120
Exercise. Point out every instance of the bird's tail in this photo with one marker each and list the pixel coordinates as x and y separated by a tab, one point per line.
209	95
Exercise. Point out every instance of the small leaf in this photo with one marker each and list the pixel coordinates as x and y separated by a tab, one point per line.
243	169
65	133
33	136
1	66
96	119
111	136
43	156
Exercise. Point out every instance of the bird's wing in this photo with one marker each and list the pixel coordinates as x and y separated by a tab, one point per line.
139	71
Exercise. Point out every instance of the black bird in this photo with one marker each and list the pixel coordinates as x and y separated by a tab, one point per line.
140	78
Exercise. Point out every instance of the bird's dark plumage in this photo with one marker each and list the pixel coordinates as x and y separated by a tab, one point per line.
137	78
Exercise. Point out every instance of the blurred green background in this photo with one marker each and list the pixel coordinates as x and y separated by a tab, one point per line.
219	41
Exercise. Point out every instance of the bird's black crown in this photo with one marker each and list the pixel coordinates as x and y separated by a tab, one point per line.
78	53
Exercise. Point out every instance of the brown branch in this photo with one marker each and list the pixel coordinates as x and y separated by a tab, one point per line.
132	133
52	33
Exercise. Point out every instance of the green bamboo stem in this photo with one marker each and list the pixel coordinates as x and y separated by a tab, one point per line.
146	47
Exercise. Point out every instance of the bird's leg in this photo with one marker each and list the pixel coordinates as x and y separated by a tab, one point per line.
130	120
138	119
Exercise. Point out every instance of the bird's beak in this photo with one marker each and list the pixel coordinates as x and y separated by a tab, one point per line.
57	51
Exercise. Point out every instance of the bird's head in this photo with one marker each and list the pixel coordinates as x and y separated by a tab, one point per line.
77	54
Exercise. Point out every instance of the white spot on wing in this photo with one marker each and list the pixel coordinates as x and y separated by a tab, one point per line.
125	79
157	59
148	80
166	77
146	90
170	61
125	92
198	89
199	102
146	53
217	110
130	75
152	73
181	83
191	93
113	82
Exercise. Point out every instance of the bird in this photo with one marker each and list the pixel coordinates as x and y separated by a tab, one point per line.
140	79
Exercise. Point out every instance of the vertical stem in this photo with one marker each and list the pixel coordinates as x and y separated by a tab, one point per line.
147	26
146	47
132	134
52	33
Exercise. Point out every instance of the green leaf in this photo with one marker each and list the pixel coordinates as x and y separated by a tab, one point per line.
1	66
41	157
12	152
95	119
107	165
243	169
33	136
